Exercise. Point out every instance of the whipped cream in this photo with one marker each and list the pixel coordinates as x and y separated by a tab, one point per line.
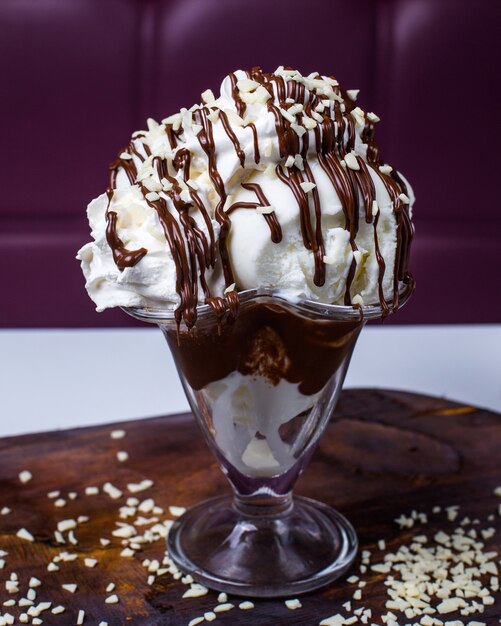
275	183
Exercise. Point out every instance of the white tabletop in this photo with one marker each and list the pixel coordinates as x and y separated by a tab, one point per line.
64	378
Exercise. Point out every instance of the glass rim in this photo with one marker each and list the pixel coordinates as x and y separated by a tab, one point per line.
164	315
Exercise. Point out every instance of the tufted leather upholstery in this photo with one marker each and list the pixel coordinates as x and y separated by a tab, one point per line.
79	75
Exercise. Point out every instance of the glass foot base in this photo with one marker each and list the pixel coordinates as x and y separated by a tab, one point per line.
302	549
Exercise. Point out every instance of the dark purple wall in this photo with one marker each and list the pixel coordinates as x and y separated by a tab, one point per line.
78	76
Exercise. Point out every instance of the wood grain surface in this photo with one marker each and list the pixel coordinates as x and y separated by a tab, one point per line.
385	453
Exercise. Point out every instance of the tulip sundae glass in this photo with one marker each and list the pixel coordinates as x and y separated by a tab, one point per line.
263	386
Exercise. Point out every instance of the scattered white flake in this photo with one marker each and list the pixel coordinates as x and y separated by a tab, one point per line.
113	599
265	210
31	595
118	434
353	93
195	591
124	532
357	595
222	608
293	604
385	169
5	510
59	503
22	533
58	609
222	597
73	495
375	208
71	587
66	524
246	605
306	187
25	476
176	511
210	616
90	562
52	567
126	156
372	117
127	553
351	161
12	586
122	456
72	539
152	196
81	617
290	161
381	544
195	621
227	290
357	300
298	162
34	582
112	491
91	491
497	491
142	486
334	620
405	199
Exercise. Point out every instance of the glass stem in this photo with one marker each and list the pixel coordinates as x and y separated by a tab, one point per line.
263	505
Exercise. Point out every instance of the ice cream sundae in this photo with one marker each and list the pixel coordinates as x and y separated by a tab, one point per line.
260	229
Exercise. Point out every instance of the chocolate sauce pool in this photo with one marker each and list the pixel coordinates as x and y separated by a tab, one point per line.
269	340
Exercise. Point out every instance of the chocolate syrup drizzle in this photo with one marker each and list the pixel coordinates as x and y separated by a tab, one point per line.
193	253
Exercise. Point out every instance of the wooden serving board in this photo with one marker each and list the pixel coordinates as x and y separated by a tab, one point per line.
384	454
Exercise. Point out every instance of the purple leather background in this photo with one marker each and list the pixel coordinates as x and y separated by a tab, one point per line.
78	76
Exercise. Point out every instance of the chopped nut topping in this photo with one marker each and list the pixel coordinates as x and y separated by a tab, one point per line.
351	161
307	186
